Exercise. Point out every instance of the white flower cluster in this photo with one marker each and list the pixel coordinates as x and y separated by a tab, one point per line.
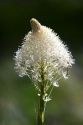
43	51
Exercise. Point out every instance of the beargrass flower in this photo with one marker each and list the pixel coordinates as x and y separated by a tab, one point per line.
45	59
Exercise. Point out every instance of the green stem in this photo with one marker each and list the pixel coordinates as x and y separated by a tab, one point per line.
41	111
41	108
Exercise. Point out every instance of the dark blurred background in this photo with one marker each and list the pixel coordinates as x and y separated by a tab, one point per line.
18	98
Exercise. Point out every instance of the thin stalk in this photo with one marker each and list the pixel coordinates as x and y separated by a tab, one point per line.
41	112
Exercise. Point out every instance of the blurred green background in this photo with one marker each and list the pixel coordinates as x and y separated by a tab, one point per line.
18	98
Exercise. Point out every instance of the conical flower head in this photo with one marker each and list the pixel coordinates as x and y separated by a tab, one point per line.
42	51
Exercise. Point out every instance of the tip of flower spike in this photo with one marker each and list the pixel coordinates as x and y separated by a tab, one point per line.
35	25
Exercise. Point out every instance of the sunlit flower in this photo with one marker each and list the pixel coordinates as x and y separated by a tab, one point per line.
42	52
